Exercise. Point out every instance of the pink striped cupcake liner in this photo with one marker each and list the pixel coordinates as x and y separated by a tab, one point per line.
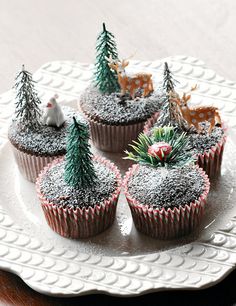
112	138
150	122
80	222
166	223
30	165
210	161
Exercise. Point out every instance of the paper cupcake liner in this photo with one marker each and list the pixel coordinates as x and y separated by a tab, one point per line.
30	165
80	222
150	122
210	161
112	138
166	223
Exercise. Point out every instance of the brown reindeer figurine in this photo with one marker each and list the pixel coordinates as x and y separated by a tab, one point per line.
197	114
131	83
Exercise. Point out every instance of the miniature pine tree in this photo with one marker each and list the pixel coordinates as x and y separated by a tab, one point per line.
169	109
79	169
168	81
27	100
105	78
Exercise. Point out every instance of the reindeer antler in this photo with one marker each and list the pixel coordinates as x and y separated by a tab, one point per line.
186	97
194	87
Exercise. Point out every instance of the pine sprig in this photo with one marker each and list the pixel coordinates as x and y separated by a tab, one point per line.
176	158
105	79
79	168
27	101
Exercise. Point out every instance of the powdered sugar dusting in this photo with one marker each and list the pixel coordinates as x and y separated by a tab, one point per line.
43	140
203	142
113	109
55	189
199	142
161	187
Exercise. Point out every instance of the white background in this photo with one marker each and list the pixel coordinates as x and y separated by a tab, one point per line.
34	32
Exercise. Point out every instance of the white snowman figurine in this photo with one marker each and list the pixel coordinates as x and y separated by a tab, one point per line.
53	114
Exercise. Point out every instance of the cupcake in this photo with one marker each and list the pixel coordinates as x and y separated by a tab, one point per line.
115	104
79	193
206	132
165	191
37	136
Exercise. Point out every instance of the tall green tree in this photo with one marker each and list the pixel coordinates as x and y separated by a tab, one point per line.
79	168
169	109
27	100
168	80
105	78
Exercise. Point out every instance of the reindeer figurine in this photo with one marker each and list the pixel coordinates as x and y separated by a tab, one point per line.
131	83
198	114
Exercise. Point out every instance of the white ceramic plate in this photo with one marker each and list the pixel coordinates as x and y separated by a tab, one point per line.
120	261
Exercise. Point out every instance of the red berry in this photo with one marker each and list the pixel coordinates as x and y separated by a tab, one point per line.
160	149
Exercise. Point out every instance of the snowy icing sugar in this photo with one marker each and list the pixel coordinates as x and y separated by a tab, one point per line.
166	187
113	109
56	190
43	140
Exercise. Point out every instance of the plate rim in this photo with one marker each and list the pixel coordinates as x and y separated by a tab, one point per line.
129	275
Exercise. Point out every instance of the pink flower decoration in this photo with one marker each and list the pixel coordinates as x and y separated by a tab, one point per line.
160	149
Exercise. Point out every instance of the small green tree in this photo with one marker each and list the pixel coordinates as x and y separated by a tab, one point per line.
79	169
168	81
27	101
105	79
169	109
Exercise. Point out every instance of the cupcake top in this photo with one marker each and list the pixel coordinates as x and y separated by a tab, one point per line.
115	97
78	180
55	189
199	143
37	131
42	139
202	124
114	109
166	176
166	188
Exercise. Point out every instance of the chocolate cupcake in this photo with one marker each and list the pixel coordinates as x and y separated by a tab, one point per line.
206	148
115	121
37	137
79	194
165	191
202	124
116	105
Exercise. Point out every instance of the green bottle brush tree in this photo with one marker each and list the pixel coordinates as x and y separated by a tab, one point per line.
168	108
27	101
105	79
79	168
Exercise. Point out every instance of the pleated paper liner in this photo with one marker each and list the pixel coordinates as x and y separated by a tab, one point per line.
112	138
80	222
210	161
150	122
166	223
30	165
